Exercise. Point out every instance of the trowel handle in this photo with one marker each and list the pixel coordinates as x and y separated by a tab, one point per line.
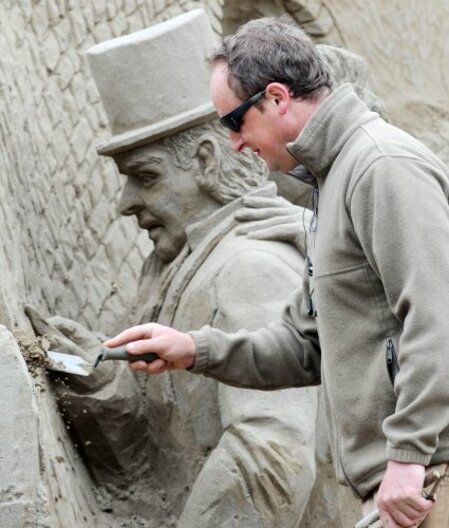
372	520
121	353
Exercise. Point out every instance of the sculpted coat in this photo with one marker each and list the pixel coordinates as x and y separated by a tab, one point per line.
261	468
245	457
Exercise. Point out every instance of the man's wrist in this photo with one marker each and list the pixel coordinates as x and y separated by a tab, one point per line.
201	354
407	456
190	352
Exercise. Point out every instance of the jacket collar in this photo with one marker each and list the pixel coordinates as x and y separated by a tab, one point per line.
329	128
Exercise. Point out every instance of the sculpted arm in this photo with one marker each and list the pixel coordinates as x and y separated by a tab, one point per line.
103	410
267	448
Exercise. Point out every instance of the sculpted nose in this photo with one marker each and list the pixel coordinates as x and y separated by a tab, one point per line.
130	202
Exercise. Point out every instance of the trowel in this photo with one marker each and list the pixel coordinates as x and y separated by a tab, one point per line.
72	364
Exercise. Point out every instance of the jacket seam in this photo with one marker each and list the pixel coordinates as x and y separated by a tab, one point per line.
378	158
382	313
280	258
341	271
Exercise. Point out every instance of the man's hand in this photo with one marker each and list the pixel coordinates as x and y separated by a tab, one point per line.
176	350
400	500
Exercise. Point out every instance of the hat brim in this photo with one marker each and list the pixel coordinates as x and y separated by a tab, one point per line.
148	134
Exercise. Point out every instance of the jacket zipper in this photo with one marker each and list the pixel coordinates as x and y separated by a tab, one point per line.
312	229
338	449
315	196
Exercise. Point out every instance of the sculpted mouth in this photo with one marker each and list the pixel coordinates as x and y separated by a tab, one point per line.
147	223
151	227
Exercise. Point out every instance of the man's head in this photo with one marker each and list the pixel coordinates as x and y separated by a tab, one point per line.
181	179
276	57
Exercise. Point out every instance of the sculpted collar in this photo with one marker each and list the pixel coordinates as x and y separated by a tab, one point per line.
199	230
330	126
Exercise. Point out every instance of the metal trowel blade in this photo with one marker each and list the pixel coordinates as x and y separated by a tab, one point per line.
68	363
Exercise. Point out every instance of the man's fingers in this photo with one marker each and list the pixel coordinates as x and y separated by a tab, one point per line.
401	519
129	335
155	367
404	513
398	522
156	344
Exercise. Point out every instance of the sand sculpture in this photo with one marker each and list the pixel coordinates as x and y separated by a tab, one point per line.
215	453
177	450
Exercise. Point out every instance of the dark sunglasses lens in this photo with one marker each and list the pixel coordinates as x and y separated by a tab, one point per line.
233	120
231	123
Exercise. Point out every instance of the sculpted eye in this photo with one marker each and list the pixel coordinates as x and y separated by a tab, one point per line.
148	178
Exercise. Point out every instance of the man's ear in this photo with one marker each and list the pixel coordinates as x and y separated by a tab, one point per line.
208	154
279	94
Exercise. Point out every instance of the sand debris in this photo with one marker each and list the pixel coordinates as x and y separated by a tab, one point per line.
34	351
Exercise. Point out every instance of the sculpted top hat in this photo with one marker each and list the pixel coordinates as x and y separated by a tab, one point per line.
154	82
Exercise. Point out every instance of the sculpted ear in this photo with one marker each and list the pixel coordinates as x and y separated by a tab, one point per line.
208	155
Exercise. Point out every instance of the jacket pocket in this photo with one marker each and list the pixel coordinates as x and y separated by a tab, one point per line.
392	361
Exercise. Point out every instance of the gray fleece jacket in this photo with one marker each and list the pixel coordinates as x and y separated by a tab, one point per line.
377	286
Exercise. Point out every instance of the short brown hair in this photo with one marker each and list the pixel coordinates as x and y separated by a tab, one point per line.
273	50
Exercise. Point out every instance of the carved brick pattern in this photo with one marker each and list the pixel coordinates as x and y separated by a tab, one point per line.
63	248
312	15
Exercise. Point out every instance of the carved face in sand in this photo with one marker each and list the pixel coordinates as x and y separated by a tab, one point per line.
164	197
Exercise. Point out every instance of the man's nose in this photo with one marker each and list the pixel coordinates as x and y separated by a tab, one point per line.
236	140
130	202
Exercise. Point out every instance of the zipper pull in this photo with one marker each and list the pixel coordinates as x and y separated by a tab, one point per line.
309	266
392	361
310	304
314	222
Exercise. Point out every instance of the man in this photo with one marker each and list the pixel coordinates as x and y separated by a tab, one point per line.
377	265
218	455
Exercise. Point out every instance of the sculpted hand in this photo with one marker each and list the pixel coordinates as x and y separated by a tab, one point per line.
274	219
176	350
69	337
400	500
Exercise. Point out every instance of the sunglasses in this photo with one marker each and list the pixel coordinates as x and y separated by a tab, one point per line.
233	121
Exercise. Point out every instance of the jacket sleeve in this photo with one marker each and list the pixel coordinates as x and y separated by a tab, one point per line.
400	212
285	353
